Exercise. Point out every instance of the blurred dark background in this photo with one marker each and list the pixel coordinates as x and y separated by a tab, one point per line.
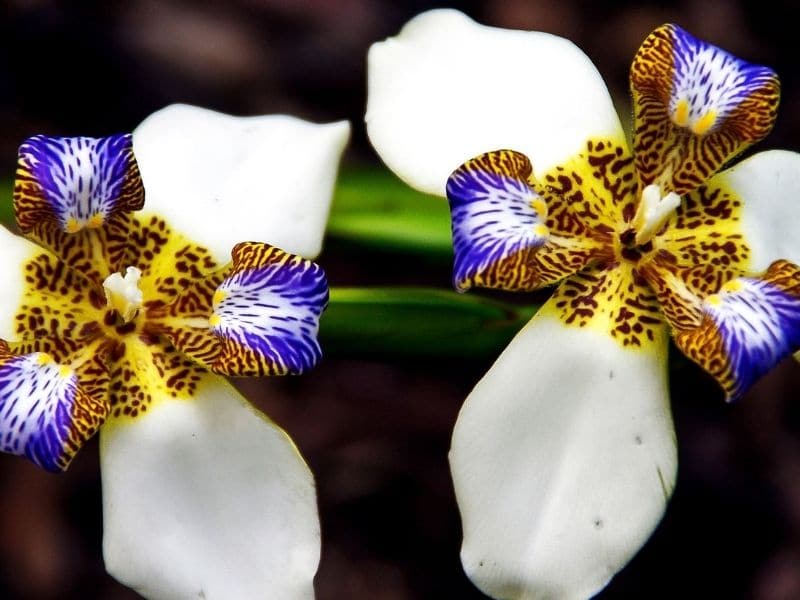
376	430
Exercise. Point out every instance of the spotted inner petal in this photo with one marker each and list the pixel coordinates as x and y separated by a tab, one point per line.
169	262
58	302
144	371
75	182
747	328
611	299
703	248
45	414
94	253
696	106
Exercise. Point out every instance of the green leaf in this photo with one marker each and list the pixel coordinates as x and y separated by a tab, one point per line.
372	207
417	322
6	207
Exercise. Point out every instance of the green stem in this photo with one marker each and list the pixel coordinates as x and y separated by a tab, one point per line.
417	322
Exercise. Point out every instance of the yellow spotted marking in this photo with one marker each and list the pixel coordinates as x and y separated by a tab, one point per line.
72	225
95	221
170	262
734	285
44	358
540	206
714	300
704	124
614	301
145	375
681	116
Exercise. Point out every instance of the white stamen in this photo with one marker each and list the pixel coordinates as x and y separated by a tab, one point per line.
123	293
654	210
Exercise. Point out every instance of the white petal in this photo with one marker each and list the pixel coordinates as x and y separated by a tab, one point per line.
447	89
16	252
207	498
221	179
563	459
768	185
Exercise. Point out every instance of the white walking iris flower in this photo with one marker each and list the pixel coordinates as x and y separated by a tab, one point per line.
563	456
118	318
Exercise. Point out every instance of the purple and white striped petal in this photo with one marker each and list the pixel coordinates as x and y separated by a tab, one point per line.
75	182
696	106
44	413
266	312
498	221
709	84
748	327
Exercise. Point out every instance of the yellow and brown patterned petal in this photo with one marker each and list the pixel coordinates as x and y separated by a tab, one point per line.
613	300
703	248
170	262
696	106
56	301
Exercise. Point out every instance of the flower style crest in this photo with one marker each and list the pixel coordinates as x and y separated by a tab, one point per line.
563	456
117	318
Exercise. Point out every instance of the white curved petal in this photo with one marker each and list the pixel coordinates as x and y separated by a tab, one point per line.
206	498
768	185
447	89
16	251
221	179
563	459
